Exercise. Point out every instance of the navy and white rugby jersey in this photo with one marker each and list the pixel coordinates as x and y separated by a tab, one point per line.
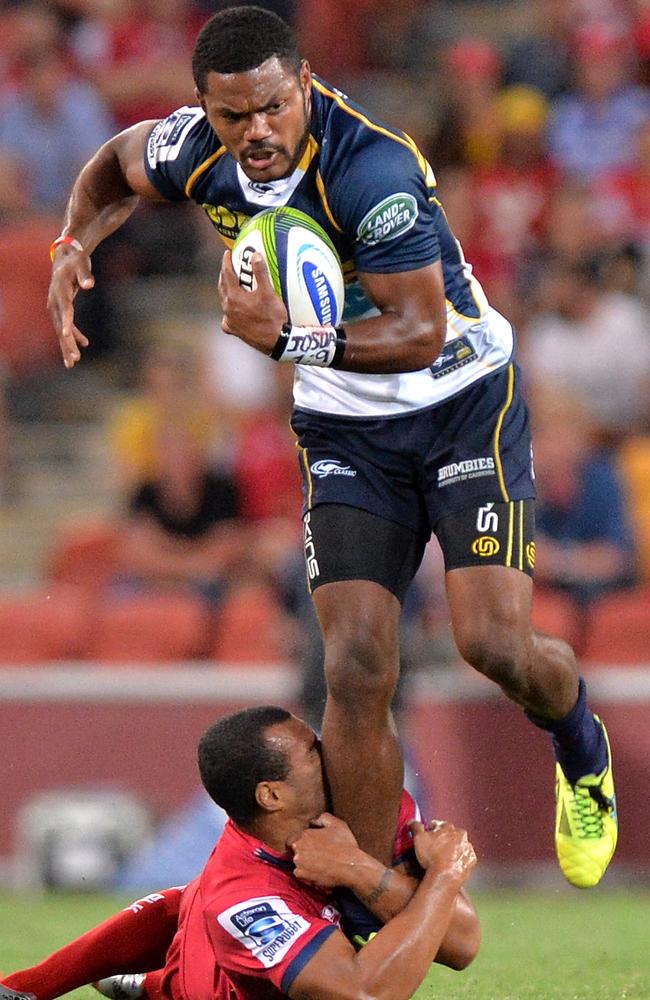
373	192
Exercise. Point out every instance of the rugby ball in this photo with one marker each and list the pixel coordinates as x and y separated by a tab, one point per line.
303	264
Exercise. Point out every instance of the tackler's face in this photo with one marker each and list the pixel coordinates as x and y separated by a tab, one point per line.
261	116
304	788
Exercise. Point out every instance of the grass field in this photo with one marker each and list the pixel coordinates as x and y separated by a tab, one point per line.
536	946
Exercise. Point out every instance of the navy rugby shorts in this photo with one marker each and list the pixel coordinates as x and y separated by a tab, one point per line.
457	469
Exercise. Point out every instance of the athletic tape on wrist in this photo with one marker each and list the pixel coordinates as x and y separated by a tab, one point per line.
323	346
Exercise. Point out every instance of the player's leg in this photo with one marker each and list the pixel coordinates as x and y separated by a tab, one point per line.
361	751
136	938
364	566
539	672
480	494
365	531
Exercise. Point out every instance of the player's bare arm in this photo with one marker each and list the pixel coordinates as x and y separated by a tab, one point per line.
328	855
394	963
407	336
103	197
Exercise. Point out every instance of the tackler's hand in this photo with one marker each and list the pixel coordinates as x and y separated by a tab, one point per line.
325	852
257	315
71	272
444	848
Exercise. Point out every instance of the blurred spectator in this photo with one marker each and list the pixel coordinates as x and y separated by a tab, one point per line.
622	197
593	129
542	59
139	55
26	27
183	528
584	544
334	53
50	126
468	132
508	201
592	342
572	231
642	41
265	459
172	393
14	196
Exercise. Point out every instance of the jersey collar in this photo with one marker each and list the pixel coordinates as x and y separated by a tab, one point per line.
273	194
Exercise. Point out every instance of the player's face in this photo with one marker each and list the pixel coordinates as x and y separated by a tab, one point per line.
305	783
261	116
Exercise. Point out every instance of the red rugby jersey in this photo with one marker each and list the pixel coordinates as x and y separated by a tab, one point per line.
248	926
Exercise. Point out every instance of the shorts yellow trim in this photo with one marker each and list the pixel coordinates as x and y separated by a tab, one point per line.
497	432
310	484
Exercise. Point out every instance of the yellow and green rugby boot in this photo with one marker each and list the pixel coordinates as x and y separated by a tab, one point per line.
586	824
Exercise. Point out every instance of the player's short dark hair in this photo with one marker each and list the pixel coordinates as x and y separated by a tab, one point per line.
234	756
239	39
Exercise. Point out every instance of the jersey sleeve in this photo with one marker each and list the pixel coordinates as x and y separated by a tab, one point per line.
381	191
270	937
408	811
177	146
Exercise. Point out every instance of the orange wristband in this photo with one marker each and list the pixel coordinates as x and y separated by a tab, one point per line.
70	240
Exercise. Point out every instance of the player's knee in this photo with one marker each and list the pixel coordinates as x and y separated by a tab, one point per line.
361	663
498	652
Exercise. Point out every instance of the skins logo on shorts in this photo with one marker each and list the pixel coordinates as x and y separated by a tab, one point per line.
530	554
330	467
485	546
311	562
265	926
389	219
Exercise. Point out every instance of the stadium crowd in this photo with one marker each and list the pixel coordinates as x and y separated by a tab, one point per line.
537	125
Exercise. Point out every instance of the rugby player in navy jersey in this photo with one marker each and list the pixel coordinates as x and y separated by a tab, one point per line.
414	422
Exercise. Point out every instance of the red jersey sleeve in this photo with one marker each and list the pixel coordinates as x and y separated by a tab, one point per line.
408	810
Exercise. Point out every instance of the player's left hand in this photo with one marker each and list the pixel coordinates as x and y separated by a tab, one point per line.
323	853
257	316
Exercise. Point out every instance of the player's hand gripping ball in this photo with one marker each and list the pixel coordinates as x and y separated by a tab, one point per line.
302	262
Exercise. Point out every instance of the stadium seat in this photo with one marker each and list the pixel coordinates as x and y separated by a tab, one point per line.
27	340
634	461
148	628
556	614
44	625
618	630
250	627
86	554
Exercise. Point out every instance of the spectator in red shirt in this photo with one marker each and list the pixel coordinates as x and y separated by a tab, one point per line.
140	58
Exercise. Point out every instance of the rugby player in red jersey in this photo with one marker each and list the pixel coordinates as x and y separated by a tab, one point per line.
267	916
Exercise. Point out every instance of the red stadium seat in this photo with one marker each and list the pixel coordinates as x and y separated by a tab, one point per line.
44	625
148	628
250	627
86	554
27	339
619	629
556	614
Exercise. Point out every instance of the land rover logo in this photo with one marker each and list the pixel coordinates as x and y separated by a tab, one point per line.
387	220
